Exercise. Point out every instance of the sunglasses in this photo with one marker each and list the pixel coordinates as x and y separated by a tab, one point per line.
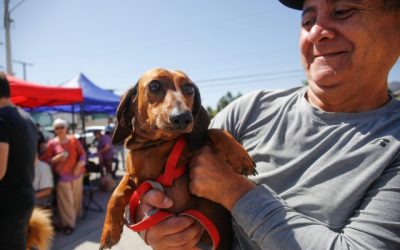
61	127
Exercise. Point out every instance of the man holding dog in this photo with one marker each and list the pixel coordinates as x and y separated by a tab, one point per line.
18	140
328	154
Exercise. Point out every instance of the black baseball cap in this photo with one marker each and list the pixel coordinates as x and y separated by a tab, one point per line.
294	4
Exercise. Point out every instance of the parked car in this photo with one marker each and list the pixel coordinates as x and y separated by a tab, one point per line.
89	134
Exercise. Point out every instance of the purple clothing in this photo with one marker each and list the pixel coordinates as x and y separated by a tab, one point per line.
102	142
68	177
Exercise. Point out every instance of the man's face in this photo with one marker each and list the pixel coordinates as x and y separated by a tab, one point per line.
348	47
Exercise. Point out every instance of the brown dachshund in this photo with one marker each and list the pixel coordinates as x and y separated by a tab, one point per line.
162	107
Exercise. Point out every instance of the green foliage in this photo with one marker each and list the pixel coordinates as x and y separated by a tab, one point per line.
222	103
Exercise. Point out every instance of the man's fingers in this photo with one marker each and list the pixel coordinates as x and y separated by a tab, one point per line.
172	225
156	198
187	238
195	240
150	200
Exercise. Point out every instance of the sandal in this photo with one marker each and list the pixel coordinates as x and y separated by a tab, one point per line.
68	230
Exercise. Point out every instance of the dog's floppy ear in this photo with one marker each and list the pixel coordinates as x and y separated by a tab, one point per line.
125	116
201	122
196	102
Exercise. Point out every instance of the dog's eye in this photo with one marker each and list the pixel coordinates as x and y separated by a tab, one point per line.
188	89
155	86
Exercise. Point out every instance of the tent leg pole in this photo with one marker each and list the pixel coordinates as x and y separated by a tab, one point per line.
83	124
73	118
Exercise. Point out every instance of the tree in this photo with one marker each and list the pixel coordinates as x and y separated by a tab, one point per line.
222	103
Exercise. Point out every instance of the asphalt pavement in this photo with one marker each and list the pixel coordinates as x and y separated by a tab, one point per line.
88	230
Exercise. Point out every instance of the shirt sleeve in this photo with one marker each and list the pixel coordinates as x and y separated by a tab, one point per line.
81	151
48	153
271	224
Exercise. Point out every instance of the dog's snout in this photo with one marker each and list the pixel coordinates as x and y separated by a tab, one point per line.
180	120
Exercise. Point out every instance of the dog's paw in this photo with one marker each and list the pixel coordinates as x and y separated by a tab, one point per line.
111	235
248	167
241	163
232	151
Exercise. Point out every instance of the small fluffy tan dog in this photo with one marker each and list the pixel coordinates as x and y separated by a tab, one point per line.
40	230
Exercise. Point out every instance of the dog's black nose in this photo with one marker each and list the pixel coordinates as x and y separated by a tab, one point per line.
179	119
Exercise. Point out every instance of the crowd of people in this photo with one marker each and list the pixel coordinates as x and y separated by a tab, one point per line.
43	172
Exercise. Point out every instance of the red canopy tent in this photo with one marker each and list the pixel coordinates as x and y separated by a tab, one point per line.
32	95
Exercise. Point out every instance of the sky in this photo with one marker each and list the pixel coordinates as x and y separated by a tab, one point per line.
225	45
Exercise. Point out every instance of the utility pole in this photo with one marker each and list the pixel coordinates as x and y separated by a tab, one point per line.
24	64
1	67
7	24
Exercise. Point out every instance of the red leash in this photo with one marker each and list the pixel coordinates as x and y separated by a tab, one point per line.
155	216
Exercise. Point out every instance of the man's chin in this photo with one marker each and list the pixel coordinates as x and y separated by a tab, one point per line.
322	74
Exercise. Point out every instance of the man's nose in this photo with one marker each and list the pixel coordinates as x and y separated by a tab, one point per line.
321	31
180	119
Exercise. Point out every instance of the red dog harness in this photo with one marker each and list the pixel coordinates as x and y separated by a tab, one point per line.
155	216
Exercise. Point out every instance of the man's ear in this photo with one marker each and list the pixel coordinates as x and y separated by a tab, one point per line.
125	116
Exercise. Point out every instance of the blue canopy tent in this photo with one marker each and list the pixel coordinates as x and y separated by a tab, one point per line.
95	99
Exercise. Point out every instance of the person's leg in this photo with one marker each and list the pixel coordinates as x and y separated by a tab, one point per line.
65	204
122	151
116	163
77	187
108	165
13	230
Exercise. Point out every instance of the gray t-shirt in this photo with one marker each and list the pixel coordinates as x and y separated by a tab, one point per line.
326	180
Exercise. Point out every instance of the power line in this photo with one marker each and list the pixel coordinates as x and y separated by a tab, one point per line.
219	79
24	64
16	6
267	76
250	81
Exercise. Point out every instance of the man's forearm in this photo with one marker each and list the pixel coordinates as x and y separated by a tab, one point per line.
272	224
4	148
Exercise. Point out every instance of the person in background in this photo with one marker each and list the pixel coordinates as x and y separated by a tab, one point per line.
109	131
18	141
327	154
105	152
67	157
43	183
119	150
110	124
42	143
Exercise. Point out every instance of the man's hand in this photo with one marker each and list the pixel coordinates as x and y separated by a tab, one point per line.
178	232
212	178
